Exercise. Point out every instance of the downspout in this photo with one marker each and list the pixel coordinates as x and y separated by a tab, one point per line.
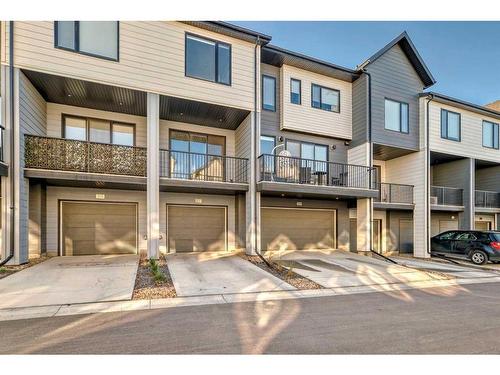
428	171
11	163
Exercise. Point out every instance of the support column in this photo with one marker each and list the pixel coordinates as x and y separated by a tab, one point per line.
364	225
153	177
251	195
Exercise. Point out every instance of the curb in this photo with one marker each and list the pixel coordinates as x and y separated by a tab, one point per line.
221	299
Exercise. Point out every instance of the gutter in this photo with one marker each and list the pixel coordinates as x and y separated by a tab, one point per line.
12	108
430	97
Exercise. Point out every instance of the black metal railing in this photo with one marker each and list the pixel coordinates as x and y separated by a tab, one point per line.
313	172
395	193
204	167
81	156
487	199
447	196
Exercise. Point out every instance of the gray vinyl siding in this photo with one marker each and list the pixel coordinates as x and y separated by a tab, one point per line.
270	122
488	179
393	225
394	77
340	206
458	174
32	120
359	111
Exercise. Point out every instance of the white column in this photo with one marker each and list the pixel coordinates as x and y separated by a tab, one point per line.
364	225
251	204
153	178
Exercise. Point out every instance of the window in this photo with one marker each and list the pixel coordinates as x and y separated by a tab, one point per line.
490	134
325	98
466	237
447	235
269	93
208	59
313	155
450	125
196	155
98	130
267	144
396	116
94	38
295	91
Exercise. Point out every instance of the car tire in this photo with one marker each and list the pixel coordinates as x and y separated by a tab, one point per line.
478	257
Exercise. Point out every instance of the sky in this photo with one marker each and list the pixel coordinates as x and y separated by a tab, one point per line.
463	57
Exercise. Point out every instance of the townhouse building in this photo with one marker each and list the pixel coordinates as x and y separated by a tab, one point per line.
157	137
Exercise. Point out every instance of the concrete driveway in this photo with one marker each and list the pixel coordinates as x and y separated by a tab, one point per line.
337	268
195	274
65	280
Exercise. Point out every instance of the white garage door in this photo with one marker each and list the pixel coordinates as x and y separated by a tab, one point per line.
92	228
297	229
445	225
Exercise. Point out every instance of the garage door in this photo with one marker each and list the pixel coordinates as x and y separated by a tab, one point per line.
445	225
89	228
196	228
297	229
406	236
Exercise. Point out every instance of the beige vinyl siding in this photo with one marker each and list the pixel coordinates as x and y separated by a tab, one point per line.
471	144
305	118
56	193
4	42
151	58
243	138
410	169
358	155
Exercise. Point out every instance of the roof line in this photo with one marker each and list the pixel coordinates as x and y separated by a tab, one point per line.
312	59
462	102
264	37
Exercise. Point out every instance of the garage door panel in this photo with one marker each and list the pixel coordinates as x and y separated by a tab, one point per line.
90	228
297	229
196	228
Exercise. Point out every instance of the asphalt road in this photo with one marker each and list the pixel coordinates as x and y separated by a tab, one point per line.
464	319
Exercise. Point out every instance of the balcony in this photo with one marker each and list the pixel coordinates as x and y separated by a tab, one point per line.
57	154
313	177
447	198
203	167
394	194
487	199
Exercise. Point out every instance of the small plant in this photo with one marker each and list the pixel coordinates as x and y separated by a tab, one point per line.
153	264
3	270
159	277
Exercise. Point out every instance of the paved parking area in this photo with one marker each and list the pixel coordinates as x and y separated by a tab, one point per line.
336	268
196	274
66	280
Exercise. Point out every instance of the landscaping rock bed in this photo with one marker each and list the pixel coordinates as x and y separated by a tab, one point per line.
283	273
146	287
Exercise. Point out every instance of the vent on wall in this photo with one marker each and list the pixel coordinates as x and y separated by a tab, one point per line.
434	200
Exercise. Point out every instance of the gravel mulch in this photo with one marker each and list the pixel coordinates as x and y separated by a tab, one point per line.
10	270
145	285
292	278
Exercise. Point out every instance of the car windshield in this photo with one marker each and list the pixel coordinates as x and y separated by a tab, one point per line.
496	236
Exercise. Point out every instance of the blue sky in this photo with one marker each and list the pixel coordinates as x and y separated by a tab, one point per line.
464	57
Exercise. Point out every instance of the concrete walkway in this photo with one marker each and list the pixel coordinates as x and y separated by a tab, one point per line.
69	280
219	273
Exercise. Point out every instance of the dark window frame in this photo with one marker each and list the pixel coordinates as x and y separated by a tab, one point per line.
445	136
196	133
269	136
300	91
309	143
321	97
76	40
275	93
400	115
217	42
87	119
495	124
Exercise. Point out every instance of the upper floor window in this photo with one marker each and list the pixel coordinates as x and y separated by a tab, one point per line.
295	91
325	98
267	144
269	93
94	38
490	134
208	59
98	130
450	125
396	116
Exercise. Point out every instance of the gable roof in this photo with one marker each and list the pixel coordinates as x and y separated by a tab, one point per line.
231	30
404	41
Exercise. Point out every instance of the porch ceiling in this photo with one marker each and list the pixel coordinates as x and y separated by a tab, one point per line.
81	93
384	152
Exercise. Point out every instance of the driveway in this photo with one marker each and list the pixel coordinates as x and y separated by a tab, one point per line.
337	268
65	280
195	274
